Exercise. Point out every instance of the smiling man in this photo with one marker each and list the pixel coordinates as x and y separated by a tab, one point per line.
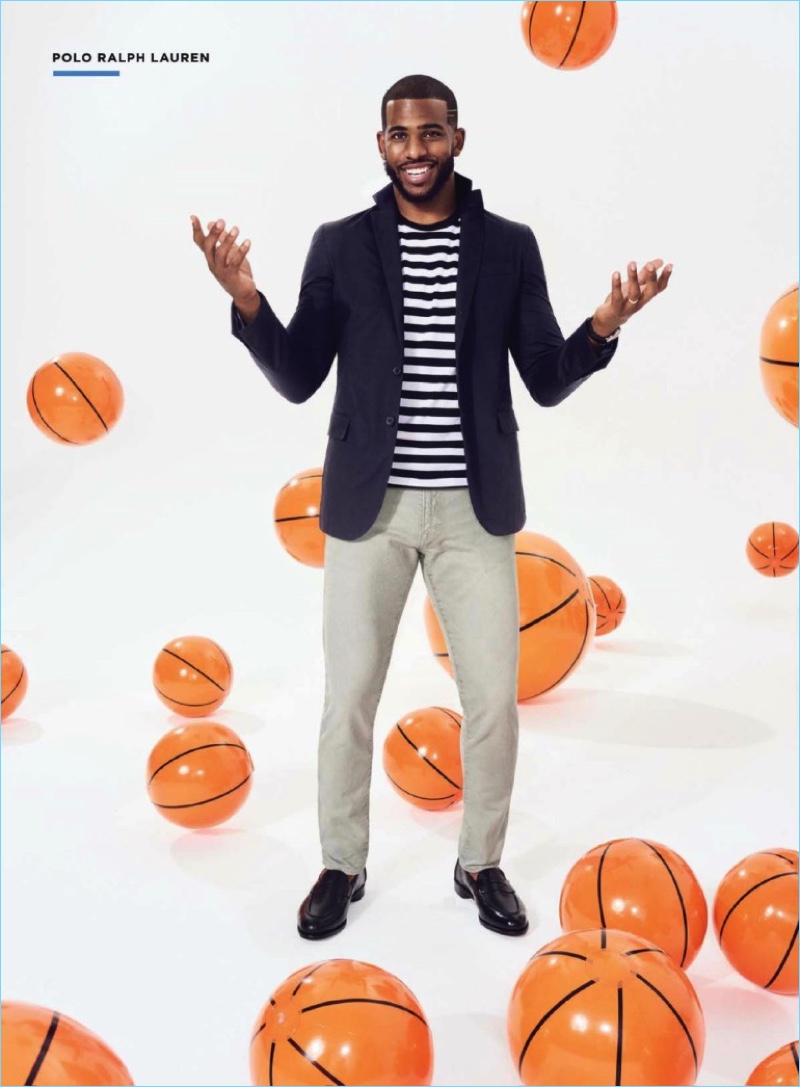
422	298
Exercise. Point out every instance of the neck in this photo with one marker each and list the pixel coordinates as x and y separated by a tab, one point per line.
441	207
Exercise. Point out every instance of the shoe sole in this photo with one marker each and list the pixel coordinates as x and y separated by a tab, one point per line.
463	892
333	931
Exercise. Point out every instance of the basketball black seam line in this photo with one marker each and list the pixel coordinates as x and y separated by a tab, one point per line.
69	377
425	759
36	1067
299	517
574	36
417	795
618	1067
530	25
313	970
680	900
547	558
39	413
315	475
199	803
644	950
271	1059
755	887
6	650
191	751
364	1000
602	590
21	677
603	938
599	883
196	705
547	614
575	659
763	554
316	1064
200	672
263	1025
776	362
788	553
565	954
782	963
675	1012
449	713
770	853
546	1016
793	1047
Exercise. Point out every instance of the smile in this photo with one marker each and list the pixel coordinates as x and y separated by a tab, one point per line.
417	173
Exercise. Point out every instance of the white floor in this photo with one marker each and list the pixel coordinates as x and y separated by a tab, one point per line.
681	726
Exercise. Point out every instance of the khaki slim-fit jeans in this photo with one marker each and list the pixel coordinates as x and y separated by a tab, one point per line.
471	578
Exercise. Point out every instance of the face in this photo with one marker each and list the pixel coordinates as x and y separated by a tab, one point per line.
419	147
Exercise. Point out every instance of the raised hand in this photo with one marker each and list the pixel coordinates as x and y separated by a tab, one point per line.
227	261
625	300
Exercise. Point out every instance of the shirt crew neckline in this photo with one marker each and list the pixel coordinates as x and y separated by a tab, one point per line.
449	221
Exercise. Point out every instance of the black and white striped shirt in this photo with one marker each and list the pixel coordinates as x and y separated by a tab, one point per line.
429	450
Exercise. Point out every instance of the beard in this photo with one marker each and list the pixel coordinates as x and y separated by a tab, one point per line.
444	172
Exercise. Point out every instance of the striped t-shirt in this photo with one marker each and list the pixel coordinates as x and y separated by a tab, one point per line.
429	450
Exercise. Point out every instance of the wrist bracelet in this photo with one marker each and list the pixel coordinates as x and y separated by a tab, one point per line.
600	340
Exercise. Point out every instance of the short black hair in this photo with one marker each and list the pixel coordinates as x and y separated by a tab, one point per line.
421	86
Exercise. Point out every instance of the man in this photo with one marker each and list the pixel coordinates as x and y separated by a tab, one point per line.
422	297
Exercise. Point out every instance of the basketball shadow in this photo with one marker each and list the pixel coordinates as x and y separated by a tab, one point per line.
20	730
238	860
639	647
472	1048
643	720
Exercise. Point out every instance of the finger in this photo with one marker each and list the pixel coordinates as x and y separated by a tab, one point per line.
197	231
663	280
647	274
225	242
210	244
633	284
617	297
238	253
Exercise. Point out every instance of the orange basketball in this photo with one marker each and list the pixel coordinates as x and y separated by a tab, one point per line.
296	517
640	887
44	1047
772	549
341	1021
75	399
192	676
604	1007
199	775
422	758
755	919
15	682
779	355
568	35
779	1069
556	616
609	600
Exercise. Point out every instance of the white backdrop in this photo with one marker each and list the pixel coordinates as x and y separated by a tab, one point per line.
680	143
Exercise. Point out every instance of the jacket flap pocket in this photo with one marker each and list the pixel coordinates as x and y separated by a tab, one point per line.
338	426
507	420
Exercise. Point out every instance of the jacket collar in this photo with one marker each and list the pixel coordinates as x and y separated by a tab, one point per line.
466	196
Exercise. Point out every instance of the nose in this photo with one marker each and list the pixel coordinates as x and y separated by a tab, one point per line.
416	150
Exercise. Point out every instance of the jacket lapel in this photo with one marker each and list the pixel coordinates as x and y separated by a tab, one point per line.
470	249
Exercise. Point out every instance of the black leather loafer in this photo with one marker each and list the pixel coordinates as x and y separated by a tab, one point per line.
324	910
499	907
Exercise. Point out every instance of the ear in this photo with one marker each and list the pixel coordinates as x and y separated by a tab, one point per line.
381	145
458	141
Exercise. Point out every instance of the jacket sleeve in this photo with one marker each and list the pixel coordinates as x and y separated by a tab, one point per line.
550	366
296	359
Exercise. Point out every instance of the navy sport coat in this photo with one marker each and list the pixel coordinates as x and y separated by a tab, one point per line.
351	306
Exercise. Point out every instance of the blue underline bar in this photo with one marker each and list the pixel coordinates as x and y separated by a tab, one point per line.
63	73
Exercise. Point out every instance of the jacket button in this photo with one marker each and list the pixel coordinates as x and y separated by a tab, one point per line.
397	370
390	420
